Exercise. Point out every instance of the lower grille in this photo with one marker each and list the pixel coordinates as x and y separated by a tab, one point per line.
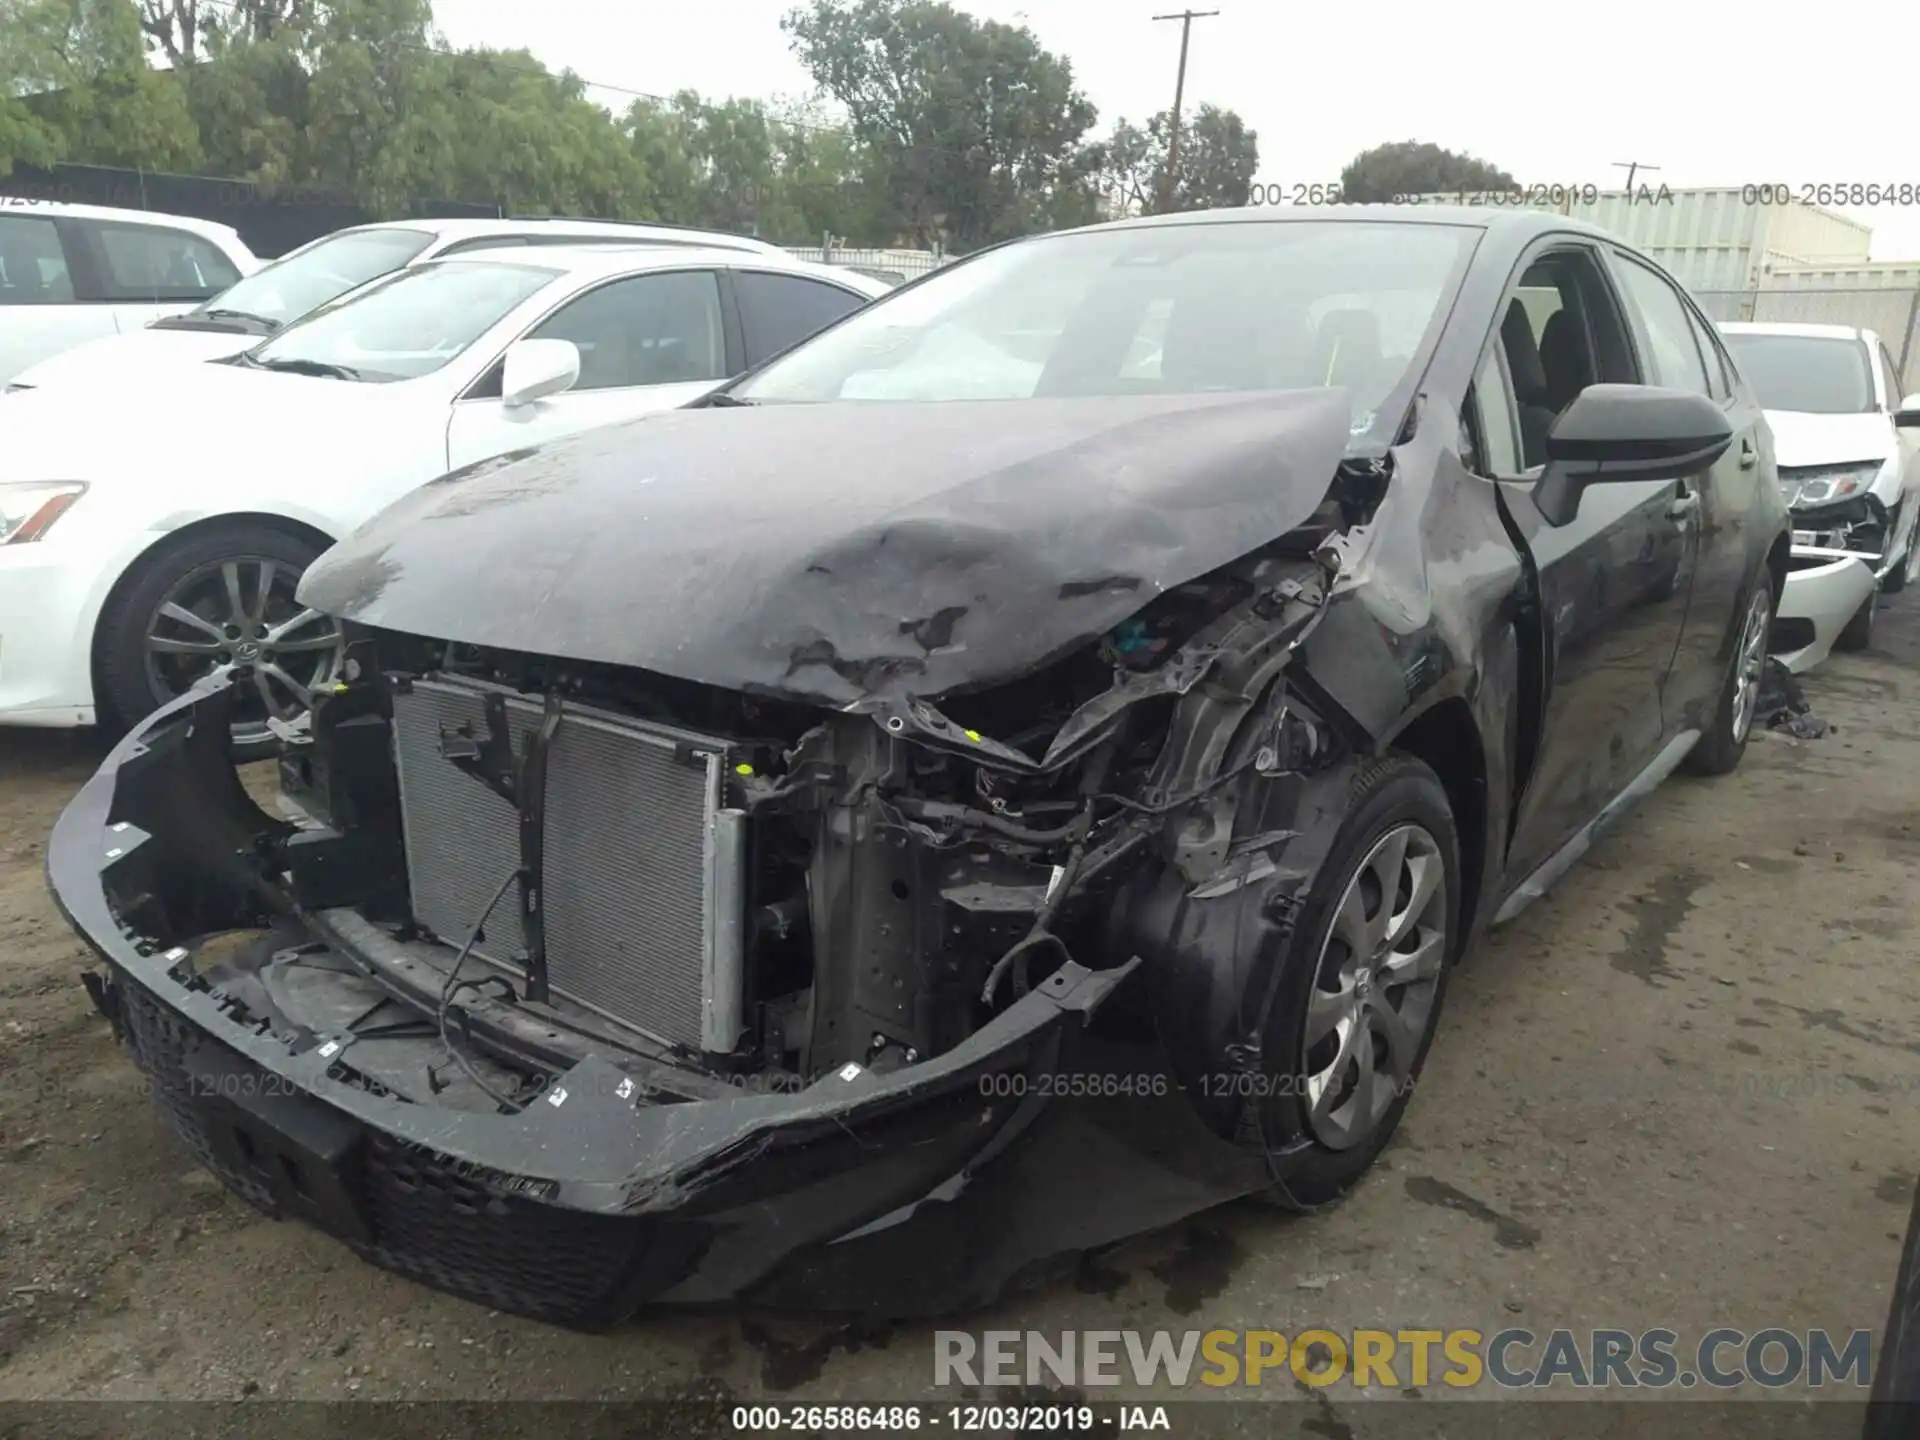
160	1039
426	1219
643	870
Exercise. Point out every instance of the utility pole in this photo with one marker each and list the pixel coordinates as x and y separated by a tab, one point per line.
1633	168
1186	19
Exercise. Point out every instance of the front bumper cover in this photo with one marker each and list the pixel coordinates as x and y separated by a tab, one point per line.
1824	590
927	1190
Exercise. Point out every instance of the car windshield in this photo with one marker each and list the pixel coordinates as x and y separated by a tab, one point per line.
1167	309
1815	374
310	277
407	326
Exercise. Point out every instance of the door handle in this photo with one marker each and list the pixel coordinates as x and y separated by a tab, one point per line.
1749	457
1682	506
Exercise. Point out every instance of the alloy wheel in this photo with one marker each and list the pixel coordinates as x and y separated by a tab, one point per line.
1375	983
1750	661
238	616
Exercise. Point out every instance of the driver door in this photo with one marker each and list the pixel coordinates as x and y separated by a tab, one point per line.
1613	581
647	342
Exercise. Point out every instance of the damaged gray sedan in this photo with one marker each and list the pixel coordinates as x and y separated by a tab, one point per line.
1012	772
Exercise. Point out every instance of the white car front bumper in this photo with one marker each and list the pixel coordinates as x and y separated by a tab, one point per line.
1824	590
46	614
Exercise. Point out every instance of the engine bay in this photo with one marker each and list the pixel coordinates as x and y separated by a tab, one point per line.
873	885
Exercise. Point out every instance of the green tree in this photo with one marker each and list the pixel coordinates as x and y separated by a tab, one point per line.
516	133
75	85
1219	157
1413	167
970	129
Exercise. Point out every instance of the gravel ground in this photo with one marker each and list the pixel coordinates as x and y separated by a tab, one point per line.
1679	1092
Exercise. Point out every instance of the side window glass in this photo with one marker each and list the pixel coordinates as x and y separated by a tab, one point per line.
144	262
779	311
1718	384
33	266
1495	423
1673	358
1547	343
644	330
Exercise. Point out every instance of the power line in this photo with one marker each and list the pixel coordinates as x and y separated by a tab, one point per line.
1186	19
1633	168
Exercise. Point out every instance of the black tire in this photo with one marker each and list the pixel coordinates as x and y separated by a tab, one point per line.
1718	751
1895	579
1387	794
1857	634
125	692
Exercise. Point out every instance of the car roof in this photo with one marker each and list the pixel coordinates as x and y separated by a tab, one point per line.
1782	327
211	229
1518	223
627	259
477	228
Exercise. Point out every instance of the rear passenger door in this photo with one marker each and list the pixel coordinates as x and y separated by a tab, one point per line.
42	310
778	310
1677	349
647	342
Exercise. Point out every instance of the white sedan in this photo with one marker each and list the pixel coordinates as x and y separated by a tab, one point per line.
153	529
319	273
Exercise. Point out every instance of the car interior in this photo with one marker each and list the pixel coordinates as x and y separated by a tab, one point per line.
647	330
1562	332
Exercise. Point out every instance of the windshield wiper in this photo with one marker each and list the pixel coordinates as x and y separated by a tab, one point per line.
233	321
298	365
726	400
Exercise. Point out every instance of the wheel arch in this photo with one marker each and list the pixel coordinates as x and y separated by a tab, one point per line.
1775	565
131	572
1446	738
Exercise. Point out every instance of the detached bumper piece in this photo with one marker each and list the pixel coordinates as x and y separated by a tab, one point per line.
284	1052
1824	590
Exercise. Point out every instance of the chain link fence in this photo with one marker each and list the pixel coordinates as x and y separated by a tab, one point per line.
1892	314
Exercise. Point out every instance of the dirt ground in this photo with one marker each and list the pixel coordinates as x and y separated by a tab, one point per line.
1679	1092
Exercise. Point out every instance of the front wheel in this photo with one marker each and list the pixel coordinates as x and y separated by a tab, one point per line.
1719	750
1363	975
1901	574
218	600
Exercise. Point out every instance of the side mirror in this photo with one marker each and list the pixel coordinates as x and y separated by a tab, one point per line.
535	369
1907	417
1612	433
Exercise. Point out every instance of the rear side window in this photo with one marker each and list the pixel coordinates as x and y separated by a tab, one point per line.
154	264
779	311
33	266
1718	383
1674	356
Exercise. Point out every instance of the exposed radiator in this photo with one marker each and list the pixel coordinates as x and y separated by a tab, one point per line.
644	871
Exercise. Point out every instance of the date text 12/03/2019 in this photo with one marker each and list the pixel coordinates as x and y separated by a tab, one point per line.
1045	1419
1332	192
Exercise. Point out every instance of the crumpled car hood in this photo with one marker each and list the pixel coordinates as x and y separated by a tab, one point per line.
842	552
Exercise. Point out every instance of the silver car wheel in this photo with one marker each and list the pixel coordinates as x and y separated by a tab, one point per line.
238	616
1750	660
1375	982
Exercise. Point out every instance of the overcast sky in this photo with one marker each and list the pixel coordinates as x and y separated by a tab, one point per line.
1713	96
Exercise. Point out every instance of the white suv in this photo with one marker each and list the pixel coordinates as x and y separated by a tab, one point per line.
322	271
74	273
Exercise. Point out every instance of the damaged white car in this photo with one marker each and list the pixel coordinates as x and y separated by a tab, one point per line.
1849	455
